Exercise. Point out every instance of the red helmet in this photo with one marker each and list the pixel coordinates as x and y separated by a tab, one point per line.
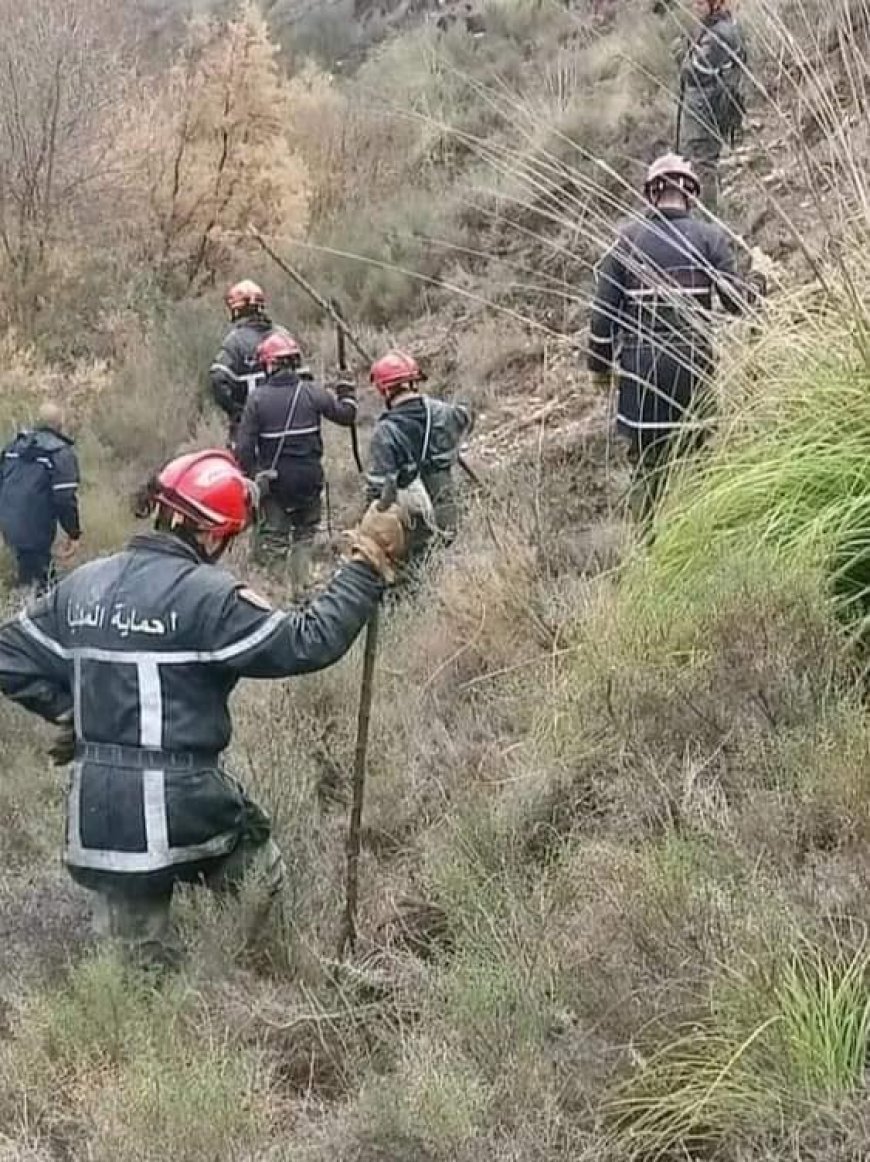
208	490
394	368
244	294
279	347
671	170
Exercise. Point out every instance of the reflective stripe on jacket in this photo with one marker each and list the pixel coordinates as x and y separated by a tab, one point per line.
143	649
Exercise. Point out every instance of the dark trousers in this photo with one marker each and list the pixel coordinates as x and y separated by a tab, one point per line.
651	462
34	567
701	141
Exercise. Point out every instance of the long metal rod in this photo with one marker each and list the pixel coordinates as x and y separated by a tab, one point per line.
325	305
312	293
347	939
341	354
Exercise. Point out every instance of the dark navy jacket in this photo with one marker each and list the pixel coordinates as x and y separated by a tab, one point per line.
39	479
143	649
418	436
651	311
285	397
235	371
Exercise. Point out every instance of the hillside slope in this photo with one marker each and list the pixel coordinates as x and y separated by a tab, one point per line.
615	850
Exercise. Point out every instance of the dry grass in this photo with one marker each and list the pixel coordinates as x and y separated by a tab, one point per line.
614	873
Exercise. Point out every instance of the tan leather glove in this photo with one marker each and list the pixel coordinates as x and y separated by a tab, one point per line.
381	539
66	550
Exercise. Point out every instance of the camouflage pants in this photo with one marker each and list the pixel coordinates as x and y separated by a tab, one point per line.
701	143
284	528
142	925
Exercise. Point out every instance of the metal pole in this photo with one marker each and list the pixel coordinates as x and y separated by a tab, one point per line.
347	939
330	309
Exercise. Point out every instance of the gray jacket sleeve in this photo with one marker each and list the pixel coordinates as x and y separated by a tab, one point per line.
338	408
709	51
32	673
735	293
248	436
65	491
223	377
301	640
606	304
385	460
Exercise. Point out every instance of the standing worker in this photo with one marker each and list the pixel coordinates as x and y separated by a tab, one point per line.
39	479
135	656
279	442
235	371
417	441
712	83
651	311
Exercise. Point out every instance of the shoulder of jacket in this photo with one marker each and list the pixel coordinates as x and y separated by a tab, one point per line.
629	229
52	442
208	587
699	230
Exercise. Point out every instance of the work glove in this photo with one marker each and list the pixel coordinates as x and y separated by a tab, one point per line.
62	750
263	485
344	389
601	380
381	540
67	549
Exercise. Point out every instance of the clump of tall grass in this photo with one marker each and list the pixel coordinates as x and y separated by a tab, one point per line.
777	1045
789	475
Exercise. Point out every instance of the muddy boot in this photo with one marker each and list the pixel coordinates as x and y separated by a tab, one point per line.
301	560
141	927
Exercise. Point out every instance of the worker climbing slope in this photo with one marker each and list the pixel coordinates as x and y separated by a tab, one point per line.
135	656
417	441
652	314
713	77
235	370
279	442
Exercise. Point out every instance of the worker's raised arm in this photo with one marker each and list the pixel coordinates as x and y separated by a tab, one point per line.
253	641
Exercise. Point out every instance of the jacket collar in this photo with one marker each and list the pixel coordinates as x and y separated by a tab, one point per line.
670	214
283	378
165	544
47	428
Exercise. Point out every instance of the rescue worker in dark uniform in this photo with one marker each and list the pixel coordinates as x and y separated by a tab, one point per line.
39	480
417	441
136	655
651	315
235	371
279	442
712	83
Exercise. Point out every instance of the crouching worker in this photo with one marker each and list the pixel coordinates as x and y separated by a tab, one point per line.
417	441
135	656
279	442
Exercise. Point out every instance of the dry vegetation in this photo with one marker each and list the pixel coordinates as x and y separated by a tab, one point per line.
616	839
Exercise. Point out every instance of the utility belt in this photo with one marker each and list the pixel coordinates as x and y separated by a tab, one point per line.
110	754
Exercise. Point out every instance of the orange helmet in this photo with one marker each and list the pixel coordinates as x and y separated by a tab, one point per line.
279	347
671	170
244	295
393	369
207	490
